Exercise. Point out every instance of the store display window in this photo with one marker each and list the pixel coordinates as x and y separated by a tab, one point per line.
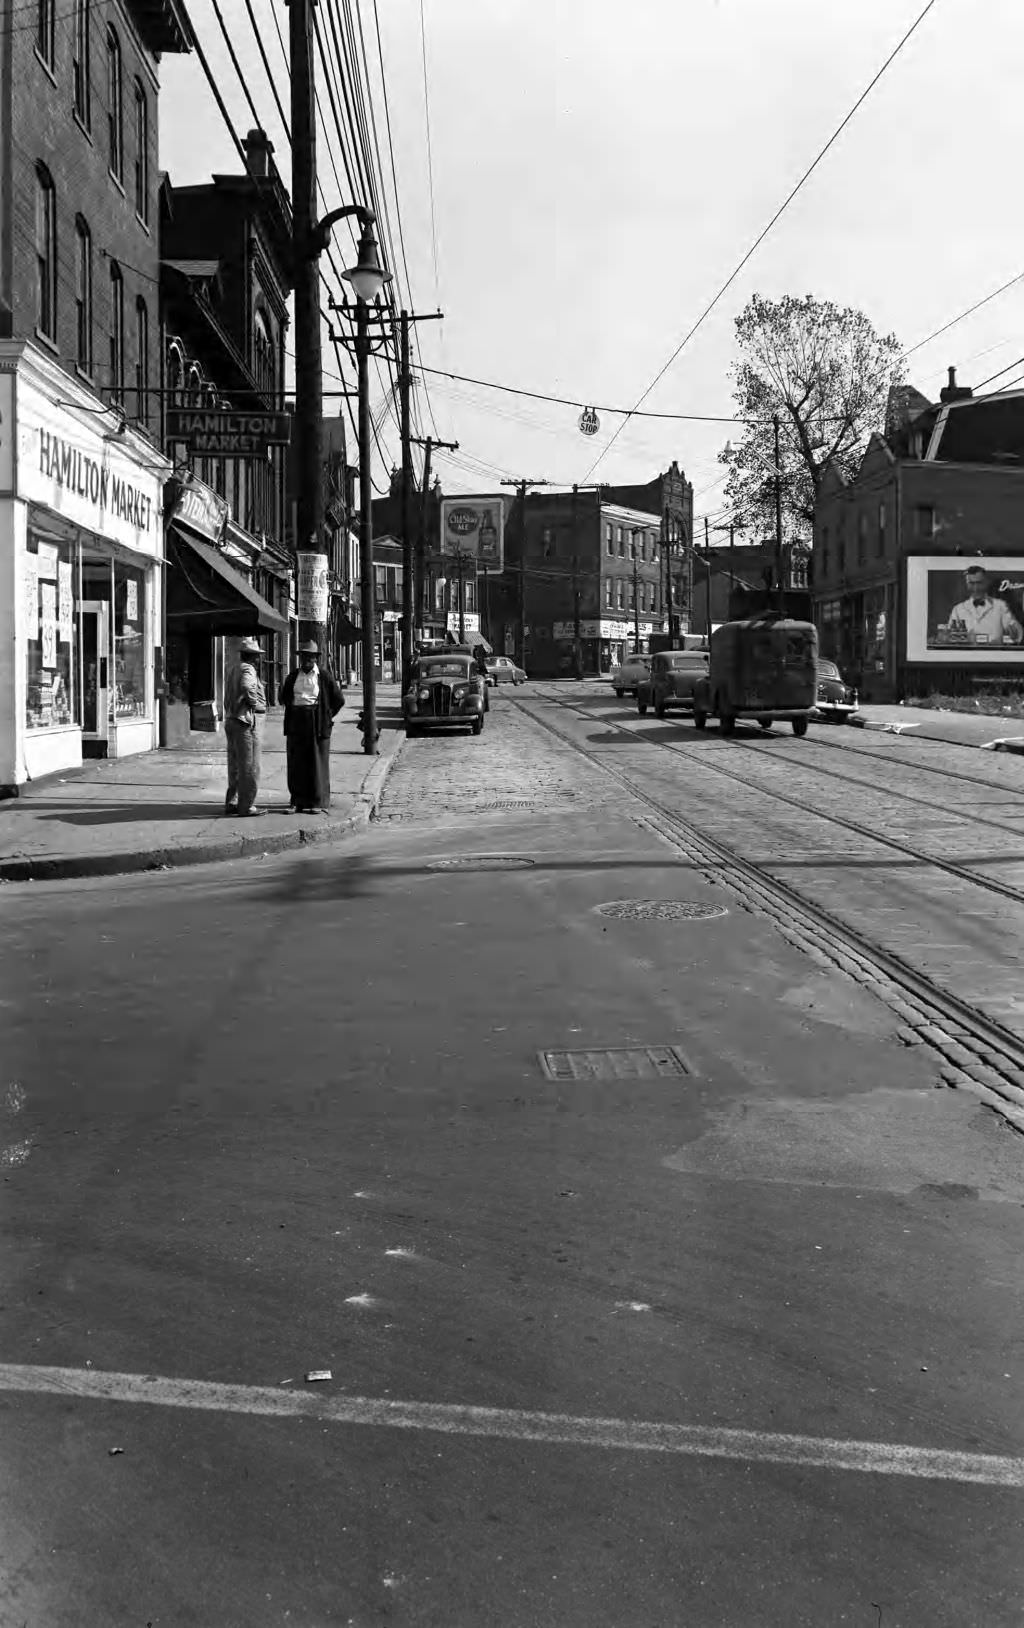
129	698
51	609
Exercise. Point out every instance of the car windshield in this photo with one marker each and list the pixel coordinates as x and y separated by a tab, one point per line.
443	669
686	658
828	669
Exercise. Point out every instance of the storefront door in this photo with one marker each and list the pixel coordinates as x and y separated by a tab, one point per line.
95	670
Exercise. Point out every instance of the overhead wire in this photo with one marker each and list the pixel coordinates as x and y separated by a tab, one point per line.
964	314
765	231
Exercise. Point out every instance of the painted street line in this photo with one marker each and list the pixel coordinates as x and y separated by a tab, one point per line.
510	1424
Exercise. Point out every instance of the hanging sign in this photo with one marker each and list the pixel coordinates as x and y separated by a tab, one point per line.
312	595
222	432
589	421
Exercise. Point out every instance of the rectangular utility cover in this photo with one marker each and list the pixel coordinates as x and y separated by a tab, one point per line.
616	1063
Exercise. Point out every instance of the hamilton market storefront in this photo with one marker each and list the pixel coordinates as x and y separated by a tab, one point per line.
81	556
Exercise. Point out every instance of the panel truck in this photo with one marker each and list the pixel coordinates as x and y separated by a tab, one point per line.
763	668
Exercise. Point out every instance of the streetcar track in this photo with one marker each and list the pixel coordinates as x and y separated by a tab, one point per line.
975	1051
949	866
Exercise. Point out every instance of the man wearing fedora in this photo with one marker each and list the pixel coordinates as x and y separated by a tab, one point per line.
311	698
245	702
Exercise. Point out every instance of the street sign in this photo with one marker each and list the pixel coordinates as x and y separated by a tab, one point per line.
589	421
220	432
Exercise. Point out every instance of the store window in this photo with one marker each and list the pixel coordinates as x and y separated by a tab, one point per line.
80	63
129	698
46	253
50	641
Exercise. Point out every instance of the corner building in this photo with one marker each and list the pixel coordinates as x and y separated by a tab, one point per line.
81	474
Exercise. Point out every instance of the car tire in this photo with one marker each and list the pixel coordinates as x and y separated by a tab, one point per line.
411	731
766	723
799	726
620	694
477	726
700	720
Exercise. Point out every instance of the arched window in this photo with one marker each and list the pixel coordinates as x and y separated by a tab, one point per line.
83	295
174	373
46	253
141	361
115	107
141	153
264	364
116	333
80	63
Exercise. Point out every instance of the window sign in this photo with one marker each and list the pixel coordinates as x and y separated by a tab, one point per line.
65	601
48	595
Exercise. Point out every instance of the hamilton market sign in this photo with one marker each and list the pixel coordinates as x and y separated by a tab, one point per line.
220	432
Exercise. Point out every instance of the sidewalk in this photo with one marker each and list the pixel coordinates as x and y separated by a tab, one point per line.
166	808
991	733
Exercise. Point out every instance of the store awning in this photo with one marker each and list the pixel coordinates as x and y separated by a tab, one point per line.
345	630
205	591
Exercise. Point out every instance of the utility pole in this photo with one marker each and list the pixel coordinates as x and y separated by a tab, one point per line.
309	521
666	548
778	513
521	486
367	585
636	599
419	598
460	565
408	567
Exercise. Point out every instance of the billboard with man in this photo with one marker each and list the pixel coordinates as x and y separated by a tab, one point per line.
965	610
475	528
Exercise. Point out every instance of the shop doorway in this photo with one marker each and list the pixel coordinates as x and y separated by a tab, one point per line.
95	677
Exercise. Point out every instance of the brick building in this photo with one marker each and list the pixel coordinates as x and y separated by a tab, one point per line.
941	490
81	532
225	278
730	583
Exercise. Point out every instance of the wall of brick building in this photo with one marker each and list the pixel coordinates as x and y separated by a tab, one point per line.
43	128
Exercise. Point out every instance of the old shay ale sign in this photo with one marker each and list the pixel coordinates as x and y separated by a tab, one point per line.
221	432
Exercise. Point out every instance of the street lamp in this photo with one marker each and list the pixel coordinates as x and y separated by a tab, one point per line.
367	278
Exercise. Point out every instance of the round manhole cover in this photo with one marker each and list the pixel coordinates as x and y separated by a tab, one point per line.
480	862
661	910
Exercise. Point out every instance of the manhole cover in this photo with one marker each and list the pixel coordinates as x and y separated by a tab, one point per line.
616	1063
479	862
486	808
661	910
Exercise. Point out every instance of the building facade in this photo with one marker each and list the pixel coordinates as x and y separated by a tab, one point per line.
81	473
939	496
224	282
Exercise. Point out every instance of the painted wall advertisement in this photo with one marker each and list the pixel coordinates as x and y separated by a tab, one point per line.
965	611
312	591
475	528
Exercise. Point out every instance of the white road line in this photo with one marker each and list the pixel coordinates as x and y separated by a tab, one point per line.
510	1424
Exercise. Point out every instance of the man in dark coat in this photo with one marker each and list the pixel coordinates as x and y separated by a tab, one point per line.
311	699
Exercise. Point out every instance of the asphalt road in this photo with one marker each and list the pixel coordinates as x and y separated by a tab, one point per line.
735	1344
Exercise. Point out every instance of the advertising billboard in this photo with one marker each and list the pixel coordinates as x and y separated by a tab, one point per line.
965	611
475	528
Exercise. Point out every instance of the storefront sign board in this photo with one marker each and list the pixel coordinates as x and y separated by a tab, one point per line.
313	593
200	509
219	432
6	432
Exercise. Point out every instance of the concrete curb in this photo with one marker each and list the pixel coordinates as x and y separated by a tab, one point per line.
881	725
62	869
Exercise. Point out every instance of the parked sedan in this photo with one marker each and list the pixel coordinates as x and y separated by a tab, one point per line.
503	670
670	684
445	692
626	677
836	700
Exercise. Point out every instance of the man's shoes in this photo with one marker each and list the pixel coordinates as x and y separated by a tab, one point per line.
251	813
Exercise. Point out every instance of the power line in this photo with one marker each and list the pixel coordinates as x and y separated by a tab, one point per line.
567	401
762	235
1002	370
430	158
963	314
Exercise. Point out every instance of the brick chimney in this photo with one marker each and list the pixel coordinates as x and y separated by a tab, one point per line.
258	151
954	391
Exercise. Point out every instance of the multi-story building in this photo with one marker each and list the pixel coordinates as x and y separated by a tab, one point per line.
735	582
225	277
939	495
81	476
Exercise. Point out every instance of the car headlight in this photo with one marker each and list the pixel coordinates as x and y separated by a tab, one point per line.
423	695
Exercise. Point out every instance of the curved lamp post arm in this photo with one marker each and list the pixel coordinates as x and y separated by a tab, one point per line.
320	235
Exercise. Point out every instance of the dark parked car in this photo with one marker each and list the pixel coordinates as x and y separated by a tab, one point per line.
835	699
445	692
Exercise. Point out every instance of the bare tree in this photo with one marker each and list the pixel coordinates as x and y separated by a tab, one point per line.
827	374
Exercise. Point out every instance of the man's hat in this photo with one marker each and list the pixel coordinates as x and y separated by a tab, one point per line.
308	647
249	647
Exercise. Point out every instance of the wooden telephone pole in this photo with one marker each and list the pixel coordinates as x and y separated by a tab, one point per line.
521	487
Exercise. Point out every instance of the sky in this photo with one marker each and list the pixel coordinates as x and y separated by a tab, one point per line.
576	179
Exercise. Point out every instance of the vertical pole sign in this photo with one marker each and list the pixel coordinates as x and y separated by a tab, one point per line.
312	591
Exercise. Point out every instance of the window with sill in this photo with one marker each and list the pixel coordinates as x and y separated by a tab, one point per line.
46	253
80	63
141	153
116	380
142	361
115	109
46	17
83	295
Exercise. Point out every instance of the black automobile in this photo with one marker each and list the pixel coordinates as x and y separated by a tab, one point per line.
836	701
445	692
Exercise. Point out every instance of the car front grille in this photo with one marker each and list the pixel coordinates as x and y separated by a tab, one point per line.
440	700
